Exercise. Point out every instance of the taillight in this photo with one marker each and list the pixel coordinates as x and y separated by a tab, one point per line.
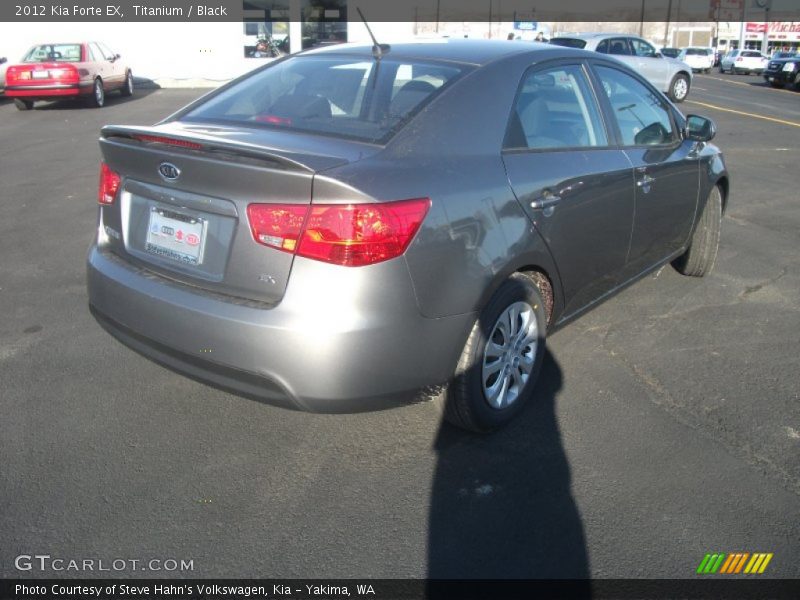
66	73
350	235
159	139
109	184
353	235
277	225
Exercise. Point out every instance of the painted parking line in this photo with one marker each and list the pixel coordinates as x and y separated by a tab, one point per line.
745	114
750	85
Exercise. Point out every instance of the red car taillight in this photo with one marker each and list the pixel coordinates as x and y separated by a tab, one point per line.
109	184
350	235
277	225
65	74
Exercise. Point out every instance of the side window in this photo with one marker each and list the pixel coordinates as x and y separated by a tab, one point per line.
642	48
619	46
602	47
555	109
107	52
97	54
640	112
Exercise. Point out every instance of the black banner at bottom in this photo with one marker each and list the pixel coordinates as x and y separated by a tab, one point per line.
394	589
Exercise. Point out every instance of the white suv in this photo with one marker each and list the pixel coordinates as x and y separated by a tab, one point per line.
671	76
743	61
700	59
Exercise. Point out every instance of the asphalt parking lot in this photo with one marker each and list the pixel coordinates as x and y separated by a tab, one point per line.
666	426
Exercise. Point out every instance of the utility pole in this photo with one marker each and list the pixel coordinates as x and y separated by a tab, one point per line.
666	27
641	22
437	16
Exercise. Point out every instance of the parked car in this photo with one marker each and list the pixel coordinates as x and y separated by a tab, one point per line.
3	67
670	52
337	232
669	75
67	70
743	61
700	59
783	71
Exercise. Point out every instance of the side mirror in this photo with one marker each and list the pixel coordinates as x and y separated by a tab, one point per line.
117	56
699	129
658	55
3	59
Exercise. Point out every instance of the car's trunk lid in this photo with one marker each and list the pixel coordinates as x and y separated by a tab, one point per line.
182	207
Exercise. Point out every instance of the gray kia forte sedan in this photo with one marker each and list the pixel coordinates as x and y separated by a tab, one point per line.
359	226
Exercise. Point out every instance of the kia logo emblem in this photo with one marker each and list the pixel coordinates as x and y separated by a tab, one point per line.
169	171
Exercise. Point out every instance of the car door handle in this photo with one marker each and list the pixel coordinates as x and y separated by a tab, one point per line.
547	199
645	180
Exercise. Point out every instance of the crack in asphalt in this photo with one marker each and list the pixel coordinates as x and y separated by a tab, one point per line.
681	412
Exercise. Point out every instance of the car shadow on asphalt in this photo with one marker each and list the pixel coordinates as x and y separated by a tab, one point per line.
112	99
501	505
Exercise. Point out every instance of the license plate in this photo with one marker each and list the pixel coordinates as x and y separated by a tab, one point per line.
176	236
770	79
40	74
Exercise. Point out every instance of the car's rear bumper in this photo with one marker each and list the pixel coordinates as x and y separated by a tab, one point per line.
341	339
47	90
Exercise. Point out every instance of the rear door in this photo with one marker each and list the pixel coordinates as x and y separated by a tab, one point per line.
665	167
576	187
654	68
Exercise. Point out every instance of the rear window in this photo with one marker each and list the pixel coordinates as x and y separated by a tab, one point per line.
751	54
698	51
569	42
51	52
349	97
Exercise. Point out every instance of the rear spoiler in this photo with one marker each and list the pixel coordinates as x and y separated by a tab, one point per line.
216	141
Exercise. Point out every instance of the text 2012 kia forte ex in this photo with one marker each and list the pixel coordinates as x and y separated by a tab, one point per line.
345	228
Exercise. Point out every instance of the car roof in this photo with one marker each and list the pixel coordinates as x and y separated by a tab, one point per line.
594	36
475	52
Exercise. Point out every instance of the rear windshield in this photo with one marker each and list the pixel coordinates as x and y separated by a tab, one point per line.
751	54
568	42
51	52
350	97
698	51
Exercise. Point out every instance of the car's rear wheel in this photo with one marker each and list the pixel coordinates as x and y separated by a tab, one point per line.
776	84
127	89
699	258
23	104
501	360
98	97
679	88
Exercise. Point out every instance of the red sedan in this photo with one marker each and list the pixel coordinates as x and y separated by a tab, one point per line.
51	71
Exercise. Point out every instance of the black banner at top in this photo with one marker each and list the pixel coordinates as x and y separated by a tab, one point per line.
593	12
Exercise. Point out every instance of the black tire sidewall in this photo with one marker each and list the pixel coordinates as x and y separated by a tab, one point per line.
518	288
94	101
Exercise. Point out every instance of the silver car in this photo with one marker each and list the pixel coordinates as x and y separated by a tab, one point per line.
670	75
354	227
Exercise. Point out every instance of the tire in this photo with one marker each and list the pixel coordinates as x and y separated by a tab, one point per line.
23	104
127	87
469	401
721	70
679	88
776	84
98	97
699	258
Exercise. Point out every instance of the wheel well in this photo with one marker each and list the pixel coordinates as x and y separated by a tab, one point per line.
542	281
723	184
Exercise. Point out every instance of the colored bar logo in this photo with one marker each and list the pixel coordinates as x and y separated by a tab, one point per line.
734	563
